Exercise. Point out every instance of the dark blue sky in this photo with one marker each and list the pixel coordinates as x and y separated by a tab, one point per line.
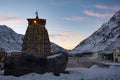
68	21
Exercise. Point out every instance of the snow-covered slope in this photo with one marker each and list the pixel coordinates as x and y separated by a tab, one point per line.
11	41
105	39
57	48
2	50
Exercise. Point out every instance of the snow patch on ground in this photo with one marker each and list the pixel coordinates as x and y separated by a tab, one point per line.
75	74
94	66
53	56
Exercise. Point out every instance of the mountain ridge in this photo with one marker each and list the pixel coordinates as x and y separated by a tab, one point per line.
104	40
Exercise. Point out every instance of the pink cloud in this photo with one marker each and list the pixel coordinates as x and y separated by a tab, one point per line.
59	35
116	8
67	35
80	36
76	18
10	19
90	13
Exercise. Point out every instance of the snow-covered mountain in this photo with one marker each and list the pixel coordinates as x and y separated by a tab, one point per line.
57	48
105	39
11	41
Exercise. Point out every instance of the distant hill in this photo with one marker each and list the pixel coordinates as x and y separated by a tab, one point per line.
104	40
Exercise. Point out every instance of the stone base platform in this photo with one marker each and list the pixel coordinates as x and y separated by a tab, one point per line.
24	64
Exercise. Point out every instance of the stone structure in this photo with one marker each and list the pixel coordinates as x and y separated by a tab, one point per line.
97	56
36	40
35	55
40	63
116	55
2	54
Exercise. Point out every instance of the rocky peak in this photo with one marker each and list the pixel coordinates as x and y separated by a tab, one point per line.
116	16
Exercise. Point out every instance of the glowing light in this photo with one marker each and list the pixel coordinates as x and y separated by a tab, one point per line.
52	51
35	21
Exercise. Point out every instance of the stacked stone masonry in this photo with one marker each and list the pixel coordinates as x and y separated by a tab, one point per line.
36	39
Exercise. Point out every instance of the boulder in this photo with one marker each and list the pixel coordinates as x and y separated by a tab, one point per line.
57	63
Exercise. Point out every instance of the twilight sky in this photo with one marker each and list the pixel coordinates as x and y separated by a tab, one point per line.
68	21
